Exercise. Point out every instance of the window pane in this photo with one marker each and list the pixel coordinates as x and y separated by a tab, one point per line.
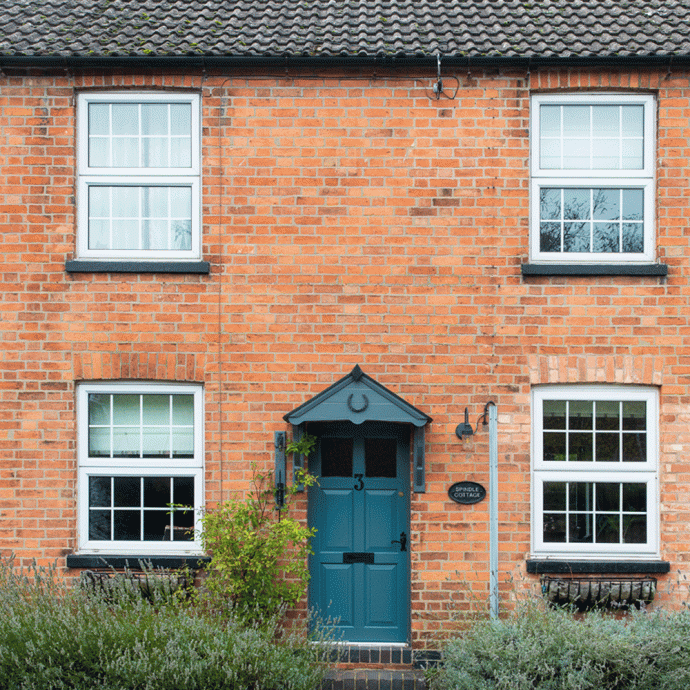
155	152
632	117
608	496
634	415
99	408
550	237
576	237
183	443
157	492
181	152
157	525
99	442
99	524
550	203
156	442
576	204
181	202
635	447
126	409
126	442
156	234
608	448
550	120
581	495
633	201
581	528
183	409
633	238
554	495
606	238
99	152
554	528
608	529
606	154
607	204
127	525
554	447
633	154
99	118
125	118
576	154
183	491
156	409
125	152
126	492
576	121
154	118
380	457
580	414
634	529
99	202
99	492
554	414
608	414
180	118
336	457
605	120
99	234
635	498
580	447
183	525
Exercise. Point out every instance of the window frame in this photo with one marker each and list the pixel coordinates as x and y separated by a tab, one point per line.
139	467
602	472
643	178
89	176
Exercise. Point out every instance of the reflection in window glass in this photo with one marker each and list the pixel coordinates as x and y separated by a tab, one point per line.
604	220
594	512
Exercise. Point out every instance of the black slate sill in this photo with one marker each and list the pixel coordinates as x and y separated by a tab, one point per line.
82	266
594	269
615	567
133	562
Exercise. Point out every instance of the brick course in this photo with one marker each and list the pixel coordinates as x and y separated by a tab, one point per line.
349	219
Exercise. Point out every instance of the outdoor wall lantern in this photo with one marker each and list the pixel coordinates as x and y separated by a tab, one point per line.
464	429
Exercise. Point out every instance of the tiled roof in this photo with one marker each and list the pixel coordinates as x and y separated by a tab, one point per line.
330	28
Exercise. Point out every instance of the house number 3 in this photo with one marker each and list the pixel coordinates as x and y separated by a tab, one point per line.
360	484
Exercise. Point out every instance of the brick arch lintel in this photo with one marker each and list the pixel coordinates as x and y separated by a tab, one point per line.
628	369
94	366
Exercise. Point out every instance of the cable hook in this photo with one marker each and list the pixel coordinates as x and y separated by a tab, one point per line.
438	86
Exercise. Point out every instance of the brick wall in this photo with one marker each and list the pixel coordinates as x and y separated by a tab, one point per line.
349	219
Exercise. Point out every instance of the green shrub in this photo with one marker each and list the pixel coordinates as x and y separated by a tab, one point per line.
540	648
258	554
56	638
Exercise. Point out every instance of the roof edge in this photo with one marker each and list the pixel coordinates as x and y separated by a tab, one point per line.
204	62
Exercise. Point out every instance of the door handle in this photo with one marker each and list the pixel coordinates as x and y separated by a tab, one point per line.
402	541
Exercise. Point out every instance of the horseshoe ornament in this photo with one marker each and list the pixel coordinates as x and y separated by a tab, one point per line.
361	408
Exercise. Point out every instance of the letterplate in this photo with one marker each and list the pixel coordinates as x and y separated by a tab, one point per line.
358	557
467	492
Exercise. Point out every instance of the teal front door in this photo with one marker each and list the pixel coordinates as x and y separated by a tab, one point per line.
360	508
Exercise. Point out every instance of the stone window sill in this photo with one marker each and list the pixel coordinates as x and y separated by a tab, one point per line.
86	266
134	562
568	567
594	269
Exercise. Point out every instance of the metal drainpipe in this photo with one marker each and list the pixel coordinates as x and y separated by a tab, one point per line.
493	510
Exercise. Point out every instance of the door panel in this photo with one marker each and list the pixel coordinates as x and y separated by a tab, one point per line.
359	573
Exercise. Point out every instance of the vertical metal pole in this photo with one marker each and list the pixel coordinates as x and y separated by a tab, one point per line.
493	510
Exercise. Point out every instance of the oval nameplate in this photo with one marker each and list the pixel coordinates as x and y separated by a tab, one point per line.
467	492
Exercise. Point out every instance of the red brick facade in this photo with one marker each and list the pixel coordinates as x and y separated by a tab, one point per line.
348	219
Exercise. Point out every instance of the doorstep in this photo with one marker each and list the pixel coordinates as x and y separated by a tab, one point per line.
379	667
374	679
